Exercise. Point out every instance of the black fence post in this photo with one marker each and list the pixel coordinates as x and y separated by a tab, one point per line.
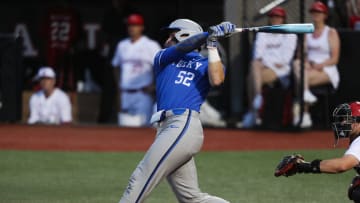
302	62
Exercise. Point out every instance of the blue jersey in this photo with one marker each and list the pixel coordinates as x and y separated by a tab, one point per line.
182	80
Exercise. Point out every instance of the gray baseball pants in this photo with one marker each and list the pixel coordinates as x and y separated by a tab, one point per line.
179	137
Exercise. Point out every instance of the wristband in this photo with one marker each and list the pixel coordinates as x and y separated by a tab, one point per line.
213	55
211	42
316	166
312	167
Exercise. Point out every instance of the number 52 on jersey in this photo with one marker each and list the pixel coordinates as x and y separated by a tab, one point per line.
185	78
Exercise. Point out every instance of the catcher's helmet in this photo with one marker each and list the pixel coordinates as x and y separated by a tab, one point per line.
185	28
344	116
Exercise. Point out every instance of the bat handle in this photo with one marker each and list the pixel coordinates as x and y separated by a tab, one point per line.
253	29
239	30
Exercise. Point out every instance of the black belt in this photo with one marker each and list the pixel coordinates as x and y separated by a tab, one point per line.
133	90
162	115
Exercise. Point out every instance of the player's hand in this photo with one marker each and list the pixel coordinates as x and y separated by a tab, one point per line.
288	165
222	30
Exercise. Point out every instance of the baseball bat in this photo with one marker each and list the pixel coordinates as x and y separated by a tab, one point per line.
283	28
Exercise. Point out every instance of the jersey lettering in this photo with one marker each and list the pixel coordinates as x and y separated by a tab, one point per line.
183	82
60	31
185	78
29	49
189	64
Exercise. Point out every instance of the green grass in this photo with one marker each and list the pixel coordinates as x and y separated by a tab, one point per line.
64	177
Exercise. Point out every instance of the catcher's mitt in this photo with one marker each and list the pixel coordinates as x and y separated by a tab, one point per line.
288	165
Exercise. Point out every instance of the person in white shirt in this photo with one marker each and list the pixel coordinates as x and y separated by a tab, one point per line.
133	63
323	51
49	105
271	61
346	125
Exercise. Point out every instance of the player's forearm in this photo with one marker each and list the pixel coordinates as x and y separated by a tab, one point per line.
323	166
192	43
339	165
333	166
215	69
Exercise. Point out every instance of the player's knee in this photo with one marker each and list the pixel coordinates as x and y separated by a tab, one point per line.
214	199
355	195
354	190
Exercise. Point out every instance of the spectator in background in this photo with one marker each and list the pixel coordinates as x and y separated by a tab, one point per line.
133	63
323	50
49	105
271	61
353	8
61	30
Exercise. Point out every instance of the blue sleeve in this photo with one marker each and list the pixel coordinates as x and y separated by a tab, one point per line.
176	52
165	57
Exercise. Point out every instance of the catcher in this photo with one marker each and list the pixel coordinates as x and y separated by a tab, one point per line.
346	124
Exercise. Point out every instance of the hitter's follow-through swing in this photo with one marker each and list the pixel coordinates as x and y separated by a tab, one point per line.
183	79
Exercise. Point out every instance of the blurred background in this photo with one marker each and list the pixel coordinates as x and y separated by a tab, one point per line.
61	70
78	40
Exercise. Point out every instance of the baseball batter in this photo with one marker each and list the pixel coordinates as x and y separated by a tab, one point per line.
346	125
183	79
134	57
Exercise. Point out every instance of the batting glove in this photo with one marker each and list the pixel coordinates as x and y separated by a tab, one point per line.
221	30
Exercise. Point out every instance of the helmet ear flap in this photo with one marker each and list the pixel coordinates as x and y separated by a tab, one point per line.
184	34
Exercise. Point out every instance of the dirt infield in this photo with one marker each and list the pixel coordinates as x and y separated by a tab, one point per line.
69	138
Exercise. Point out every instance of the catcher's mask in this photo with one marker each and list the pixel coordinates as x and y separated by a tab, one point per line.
344	116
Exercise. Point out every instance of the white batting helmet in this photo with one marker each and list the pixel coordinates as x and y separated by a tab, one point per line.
185	27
